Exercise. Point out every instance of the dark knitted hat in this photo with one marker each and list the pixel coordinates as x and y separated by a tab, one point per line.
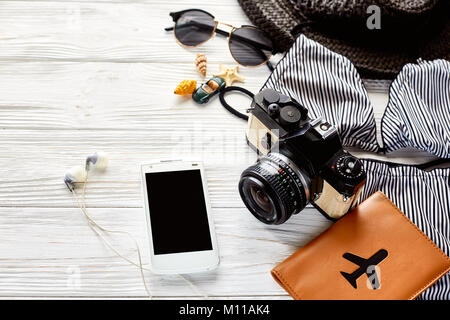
410	29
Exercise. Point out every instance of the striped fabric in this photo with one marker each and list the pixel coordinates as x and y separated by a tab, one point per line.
424	198
418	112
329	86
417	115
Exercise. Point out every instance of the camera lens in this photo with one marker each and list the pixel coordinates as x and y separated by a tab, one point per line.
262	199
259	199
274	188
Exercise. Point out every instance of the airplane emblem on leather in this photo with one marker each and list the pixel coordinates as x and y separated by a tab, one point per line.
366	266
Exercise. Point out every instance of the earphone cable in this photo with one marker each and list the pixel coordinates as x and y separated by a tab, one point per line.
93	225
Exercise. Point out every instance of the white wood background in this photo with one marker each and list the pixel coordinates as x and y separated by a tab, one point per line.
82	76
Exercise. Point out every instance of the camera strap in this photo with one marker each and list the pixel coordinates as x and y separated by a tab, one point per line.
230	108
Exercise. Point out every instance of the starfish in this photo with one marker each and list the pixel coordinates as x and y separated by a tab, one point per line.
229	74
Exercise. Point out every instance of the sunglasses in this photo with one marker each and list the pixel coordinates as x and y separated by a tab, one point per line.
248	45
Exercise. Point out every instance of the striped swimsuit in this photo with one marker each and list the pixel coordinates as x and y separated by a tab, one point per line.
417	116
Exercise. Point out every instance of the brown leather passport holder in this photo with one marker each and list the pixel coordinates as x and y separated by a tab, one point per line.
374	252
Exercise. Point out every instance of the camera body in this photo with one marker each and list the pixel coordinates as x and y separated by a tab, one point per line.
302	161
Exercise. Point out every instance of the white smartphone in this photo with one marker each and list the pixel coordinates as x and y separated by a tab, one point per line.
179	219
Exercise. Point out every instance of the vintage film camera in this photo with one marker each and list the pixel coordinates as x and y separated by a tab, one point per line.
301	161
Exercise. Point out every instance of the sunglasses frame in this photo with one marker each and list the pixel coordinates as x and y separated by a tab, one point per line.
176	15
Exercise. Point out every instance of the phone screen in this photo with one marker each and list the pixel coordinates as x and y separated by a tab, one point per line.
178	214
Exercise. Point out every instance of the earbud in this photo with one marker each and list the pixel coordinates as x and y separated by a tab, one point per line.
75	174
99	160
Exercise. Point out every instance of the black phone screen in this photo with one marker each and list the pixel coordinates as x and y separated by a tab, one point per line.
178	214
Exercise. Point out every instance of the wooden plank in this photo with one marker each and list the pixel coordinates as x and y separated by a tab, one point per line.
115	96
53	252
75	31
61	95
33	163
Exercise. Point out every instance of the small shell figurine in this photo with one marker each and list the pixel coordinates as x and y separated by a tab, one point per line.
200	63
186	87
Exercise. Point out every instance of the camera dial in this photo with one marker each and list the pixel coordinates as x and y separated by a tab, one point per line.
349	167
271	96
290	116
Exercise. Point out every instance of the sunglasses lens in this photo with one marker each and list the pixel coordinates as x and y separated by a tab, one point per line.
194	27
250	47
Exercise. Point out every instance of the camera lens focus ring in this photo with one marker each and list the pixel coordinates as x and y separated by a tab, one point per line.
299	179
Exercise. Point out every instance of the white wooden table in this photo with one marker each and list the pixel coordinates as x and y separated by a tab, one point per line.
82	76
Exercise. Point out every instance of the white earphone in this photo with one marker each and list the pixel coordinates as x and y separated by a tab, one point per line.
99	160
74	175
78	174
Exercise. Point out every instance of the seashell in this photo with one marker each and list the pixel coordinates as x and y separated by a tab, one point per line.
230	75
200	63
186	87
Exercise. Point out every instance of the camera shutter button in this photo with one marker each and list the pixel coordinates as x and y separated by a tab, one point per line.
273	110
